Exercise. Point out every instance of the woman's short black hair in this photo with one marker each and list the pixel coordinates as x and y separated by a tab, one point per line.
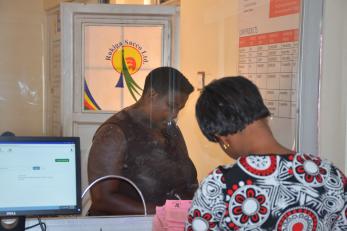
167	79
228	105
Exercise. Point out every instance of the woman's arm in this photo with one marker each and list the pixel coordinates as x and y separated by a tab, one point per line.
106	157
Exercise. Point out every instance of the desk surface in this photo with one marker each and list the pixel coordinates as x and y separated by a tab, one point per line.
120	223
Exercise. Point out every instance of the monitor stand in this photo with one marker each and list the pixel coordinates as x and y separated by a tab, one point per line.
12	223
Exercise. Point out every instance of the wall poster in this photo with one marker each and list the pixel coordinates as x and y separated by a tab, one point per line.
268	54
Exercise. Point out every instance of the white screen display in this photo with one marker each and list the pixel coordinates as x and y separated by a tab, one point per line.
37	176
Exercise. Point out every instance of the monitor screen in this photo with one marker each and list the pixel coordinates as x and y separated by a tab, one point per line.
39	176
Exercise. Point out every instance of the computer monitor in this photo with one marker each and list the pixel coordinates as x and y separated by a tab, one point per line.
39	176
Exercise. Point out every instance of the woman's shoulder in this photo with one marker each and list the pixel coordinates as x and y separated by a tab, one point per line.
118	117
217	176
224	170
312	162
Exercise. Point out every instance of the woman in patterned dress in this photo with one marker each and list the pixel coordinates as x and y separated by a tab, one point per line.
269	187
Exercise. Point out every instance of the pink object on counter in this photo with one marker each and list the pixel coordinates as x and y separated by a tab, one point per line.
171	216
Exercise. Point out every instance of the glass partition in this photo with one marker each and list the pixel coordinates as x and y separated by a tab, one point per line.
105	63
259	39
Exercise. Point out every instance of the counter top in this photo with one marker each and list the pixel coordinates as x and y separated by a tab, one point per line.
108	223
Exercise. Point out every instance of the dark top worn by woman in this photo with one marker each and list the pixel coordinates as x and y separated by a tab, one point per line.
158	163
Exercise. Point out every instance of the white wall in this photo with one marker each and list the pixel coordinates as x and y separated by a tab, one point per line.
21	66
208	30
208	42
332	137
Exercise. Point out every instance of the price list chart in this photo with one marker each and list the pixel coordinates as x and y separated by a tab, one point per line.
270	61
268	56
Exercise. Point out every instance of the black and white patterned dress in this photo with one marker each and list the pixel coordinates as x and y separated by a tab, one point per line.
296	192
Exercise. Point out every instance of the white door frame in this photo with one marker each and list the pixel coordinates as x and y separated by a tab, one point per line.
68	13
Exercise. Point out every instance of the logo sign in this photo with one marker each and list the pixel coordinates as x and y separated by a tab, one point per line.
135	56
127	58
